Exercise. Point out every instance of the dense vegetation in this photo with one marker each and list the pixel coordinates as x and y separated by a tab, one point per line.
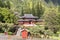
11	9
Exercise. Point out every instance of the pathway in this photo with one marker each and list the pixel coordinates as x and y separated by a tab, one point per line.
5	37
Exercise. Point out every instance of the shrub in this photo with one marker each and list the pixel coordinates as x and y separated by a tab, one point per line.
10	33
5	27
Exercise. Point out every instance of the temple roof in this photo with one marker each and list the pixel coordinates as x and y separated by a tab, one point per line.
28	16
21	20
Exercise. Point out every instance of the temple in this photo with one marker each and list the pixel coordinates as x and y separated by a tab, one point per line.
28	20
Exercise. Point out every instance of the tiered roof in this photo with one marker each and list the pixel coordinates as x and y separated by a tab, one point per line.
29	16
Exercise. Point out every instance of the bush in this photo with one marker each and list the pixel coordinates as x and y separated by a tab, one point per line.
7	16
5	27
1	30
8	27
37	31
10	33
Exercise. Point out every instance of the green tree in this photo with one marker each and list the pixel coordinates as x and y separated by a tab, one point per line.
51	19
1	17
5	4
40	9
59	9
7	16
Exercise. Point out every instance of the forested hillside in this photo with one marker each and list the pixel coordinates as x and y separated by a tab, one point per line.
48	10
20	7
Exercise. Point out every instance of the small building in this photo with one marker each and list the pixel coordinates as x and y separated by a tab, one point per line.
24	33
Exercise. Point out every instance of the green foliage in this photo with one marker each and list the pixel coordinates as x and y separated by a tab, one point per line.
7	16
10	33
4	4
5	27
48	12
40	30
34	7
8	7
51	18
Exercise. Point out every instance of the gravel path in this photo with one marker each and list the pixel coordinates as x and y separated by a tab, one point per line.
5	37
15	38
